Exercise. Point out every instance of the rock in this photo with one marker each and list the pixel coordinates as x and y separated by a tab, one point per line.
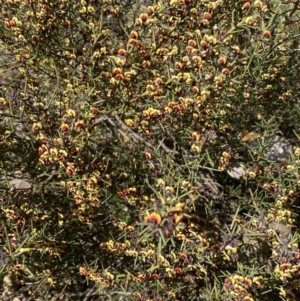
281	228
19	184
236	170
277	148
9	287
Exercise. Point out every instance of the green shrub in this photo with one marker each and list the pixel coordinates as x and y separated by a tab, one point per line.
119	122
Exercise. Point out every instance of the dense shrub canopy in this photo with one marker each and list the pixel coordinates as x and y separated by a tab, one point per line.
119	120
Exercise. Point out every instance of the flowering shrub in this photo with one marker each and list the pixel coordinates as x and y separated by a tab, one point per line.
122	118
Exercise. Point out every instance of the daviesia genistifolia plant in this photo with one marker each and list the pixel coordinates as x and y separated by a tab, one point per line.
122	117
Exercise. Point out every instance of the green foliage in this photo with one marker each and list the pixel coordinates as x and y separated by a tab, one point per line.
122	117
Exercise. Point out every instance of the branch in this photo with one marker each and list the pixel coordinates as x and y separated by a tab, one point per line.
128	133
125	131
